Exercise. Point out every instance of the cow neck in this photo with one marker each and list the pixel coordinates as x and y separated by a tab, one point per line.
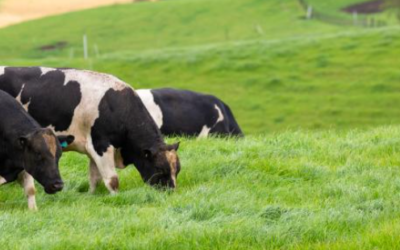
143	133
23	124
145	136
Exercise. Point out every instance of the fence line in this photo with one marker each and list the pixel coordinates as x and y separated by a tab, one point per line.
357	20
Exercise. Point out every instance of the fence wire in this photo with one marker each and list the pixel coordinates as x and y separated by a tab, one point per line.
357	20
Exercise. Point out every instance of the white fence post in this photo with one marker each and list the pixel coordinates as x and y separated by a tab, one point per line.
309	12
96	50
259	29
355	18
71	53
85	47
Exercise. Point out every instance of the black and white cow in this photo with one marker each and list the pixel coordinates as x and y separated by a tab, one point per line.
26	147
183	112
106	116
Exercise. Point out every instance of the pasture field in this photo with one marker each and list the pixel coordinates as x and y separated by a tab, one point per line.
311	75
318	169
292	190
337	81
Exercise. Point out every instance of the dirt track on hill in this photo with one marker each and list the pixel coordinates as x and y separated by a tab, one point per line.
16	11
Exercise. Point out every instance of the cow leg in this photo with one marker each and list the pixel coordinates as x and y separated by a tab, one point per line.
106	167
27	182
94	176
2	181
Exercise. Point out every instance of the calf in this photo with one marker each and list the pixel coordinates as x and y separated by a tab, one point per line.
27	148
106	116
183	112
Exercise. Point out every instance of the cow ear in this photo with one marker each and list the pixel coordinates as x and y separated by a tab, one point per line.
23	141
65	140
174	146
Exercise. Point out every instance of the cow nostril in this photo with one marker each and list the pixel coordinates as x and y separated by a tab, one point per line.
58	186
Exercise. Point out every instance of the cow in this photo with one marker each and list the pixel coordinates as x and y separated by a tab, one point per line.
28	150
104	114
183	112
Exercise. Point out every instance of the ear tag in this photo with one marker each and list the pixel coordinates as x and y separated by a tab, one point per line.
64	144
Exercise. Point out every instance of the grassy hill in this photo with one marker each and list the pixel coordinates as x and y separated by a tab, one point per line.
343	80
167	24
293	190
274	68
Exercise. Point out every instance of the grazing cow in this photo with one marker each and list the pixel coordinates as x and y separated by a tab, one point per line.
26	147
182	112
106	116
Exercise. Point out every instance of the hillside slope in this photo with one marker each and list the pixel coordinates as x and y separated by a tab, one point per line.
167	24
339	81
297	74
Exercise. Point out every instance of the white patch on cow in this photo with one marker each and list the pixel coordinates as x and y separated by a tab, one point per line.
100	80
93	87
105	167
2	181
28	183
2	70
220	115
18	98
154	109
204	132
46	70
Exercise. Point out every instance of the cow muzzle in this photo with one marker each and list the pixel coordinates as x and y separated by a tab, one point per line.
54	187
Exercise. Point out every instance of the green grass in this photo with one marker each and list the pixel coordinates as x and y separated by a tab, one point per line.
293	190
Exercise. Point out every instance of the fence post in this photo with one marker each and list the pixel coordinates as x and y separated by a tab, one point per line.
309	12
259	29
71	53
85	47
372	22
226	34
355	18
96	50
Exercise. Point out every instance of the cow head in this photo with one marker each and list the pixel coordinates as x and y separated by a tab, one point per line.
42	152
159	166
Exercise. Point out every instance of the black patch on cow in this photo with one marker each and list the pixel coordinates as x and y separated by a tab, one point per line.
50	102
124	123
186	112
23	147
